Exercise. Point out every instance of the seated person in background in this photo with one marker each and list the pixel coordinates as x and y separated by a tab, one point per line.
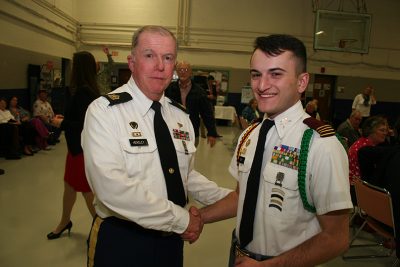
42	109
379	166
193	97
311	109
350	128
250	112
9	136
26	129
374	132
43	134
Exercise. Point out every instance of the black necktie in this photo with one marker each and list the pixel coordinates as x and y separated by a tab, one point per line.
253	182
168	158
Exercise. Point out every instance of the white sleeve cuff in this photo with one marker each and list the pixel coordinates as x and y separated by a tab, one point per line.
182	220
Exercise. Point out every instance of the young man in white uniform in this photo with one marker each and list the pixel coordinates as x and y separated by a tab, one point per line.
288	230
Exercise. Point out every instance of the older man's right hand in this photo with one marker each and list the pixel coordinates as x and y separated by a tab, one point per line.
195	226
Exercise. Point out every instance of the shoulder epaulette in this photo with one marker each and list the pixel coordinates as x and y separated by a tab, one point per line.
178	105
324	130
118	98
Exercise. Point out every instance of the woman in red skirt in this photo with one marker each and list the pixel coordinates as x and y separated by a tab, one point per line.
83	90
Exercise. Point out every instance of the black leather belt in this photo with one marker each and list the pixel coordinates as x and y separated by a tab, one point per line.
138	228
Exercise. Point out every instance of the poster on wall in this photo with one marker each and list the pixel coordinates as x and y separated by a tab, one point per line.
247	94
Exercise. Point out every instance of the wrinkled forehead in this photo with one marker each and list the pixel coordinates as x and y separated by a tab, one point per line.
154	38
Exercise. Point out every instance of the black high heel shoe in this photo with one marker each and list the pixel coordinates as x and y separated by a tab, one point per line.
53	235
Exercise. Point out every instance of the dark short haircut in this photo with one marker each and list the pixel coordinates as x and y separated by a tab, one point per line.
276	44
370	125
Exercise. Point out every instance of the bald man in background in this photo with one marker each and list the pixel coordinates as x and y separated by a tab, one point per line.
193	97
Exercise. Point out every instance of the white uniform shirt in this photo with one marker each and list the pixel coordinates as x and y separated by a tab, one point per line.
128	180
281	222
358	104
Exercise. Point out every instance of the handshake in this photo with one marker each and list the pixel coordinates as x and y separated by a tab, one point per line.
195	226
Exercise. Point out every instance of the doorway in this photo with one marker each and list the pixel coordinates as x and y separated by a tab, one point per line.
123	76
324	92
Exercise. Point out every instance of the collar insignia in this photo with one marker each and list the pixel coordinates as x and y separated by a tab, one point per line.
248	142
113	96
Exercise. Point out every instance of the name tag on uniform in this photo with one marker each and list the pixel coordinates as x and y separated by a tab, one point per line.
138	142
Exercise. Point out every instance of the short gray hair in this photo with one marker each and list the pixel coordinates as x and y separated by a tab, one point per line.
154	29
354	113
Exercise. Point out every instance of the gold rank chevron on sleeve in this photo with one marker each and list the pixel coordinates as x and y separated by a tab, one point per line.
324	130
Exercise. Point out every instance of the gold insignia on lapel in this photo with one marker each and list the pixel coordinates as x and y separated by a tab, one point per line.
136	134
113	96
248	142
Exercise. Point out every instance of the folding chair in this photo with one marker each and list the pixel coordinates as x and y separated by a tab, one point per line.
375	205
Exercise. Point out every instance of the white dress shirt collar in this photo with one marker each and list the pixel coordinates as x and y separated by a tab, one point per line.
288	118
141	100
